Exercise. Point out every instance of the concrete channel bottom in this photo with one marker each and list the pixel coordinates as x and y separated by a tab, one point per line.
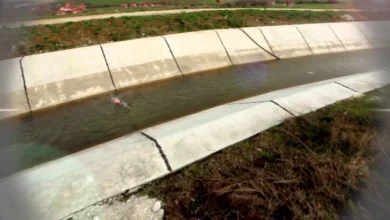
61	187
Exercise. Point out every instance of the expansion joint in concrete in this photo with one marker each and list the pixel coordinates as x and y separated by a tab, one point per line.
346	86
283	108
365	36
227	53
337	37
173	56
304	40
270	53
25	85
243	103
164	157
108	68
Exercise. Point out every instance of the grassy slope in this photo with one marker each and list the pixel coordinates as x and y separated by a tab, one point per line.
307	168
36	39
112	2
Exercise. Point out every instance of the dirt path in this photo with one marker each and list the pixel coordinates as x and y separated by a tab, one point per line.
147	13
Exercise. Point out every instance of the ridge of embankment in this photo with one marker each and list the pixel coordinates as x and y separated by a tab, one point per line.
42	81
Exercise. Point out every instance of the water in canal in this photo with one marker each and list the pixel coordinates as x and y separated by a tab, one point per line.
26	142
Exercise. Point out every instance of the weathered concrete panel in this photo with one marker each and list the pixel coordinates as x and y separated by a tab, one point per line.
241	48
198	51
257	36
320	38
194	137
350	36
367	81
286	41
378	32
12	94
312	99
139	61
61	187
63	76
362	82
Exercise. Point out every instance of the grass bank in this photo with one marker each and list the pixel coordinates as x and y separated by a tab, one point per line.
98	10
317	166
45	38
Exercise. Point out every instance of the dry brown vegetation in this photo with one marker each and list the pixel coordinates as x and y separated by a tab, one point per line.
310	167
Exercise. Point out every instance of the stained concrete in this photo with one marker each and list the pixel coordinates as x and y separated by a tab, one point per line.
286	41
367	81
63	76
361	82
198	51
194	137
12	95
134	208
312	99
140	61
59	188
351	36
320	38
377	32
241	48
257	36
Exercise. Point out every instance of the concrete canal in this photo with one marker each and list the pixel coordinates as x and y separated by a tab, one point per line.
29	141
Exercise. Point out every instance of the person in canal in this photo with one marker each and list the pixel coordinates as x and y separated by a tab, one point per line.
117	101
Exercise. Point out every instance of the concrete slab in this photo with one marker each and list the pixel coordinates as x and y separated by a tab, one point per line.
198	51
140	61
350	36
135	208
378	32
63	76
361	82
257	36
194	137
61	187
366	82
286	41
320	38
312	99
241	48
12	94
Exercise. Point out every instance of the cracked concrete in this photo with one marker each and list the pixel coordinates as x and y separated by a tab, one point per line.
134	208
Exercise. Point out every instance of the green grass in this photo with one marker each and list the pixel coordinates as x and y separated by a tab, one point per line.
314	6
113	6
112	2
45	38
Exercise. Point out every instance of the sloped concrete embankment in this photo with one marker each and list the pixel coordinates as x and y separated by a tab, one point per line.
59	188
46	80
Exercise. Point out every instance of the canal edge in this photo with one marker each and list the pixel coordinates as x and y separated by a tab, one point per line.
160	150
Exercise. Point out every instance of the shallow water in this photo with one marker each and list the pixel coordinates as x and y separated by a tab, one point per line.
29	141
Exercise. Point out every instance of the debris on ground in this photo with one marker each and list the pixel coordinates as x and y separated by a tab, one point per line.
133	208
348	17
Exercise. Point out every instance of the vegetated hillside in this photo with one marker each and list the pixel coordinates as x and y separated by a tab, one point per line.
45	38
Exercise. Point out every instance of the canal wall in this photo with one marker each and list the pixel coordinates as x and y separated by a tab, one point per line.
59	188
45	80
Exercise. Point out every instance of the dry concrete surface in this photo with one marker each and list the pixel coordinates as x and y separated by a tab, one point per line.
134	208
